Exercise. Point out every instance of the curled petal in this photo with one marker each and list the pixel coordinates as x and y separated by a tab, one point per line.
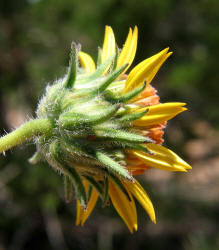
82	215
109	44
140	194
127	54
155	70
169	154
159	113
79	214
90	206
162	158
86	62
125	208
146	70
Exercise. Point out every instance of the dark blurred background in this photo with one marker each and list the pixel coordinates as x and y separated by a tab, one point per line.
35	38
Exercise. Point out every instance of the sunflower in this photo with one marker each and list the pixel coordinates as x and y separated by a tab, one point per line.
99	127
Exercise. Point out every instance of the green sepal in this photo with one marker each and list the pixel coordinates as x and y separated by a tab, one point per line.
98	72
115	61
75	134
93	92
113	98
112	165
120	135
79	152
72	120
57	155
122	111
68	189
72	70
72	147
107	81
95	185
138	147
79	187
131	117
55	96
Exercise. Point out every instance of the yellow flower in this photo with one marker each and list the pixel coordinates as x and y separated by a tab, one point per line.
99	127
150	124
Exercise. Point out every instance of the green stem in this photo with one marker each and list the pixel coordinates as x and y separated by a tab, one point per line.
27	131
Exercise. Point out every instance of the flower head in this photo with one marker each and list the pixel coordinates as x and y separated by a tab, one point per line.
143	116
102	126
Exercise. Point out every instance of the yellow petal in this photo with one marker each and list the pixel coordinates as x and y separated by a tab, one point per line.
152	61
164	107
82	214
148	61
86	62
80	210
155	70
90	206
127	54
157	162
125	48
146	70
156	119
169	154
159	113
140	194
79	214
109	44
162	158
125	208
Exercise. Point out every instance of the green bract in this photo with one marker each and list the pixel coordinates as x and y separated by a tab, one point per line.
91	127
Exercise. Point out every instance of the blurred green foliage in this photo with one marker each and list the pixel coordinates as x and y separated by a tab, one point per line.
35	38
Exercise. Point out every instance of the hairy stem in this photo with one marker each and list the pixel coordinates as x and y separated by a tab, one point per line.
27	131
